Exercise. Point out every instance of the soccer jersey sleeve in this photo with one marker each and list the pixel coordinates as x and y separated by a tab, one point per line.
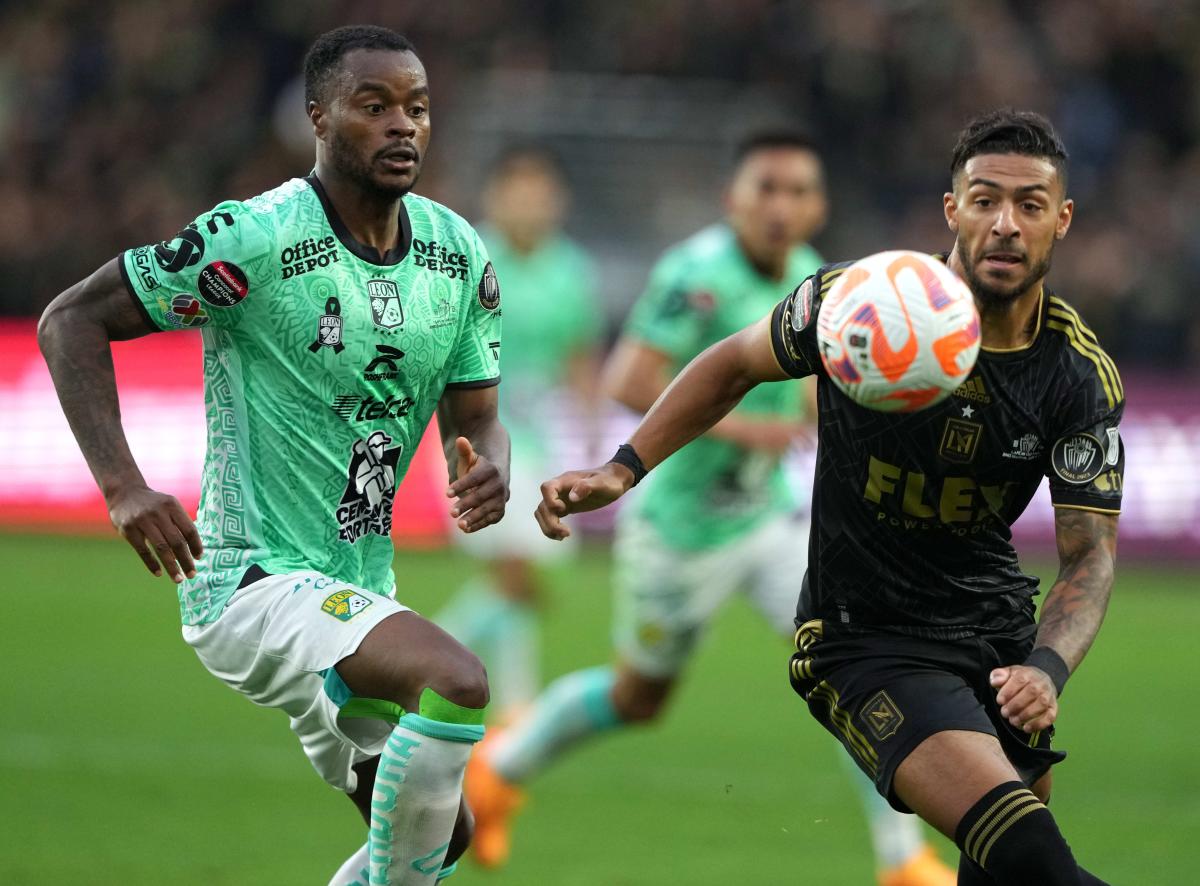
672	314
204	273
1087	462
794	329
475	362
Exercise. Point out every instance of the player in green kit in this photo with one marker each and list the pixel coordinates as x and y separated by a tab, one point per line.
550	366
714	519
338	311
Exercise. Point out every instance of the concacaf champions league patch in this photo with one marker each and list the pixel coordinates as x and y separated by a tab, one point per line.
1078	459
489	289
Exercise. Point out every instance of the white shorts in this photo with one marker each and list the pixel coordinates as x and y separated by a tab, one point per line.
665	596
277	641
517	535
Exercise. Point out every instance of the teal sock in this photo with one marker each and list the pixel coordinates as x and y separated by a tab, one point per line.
417	789
572	708
895	837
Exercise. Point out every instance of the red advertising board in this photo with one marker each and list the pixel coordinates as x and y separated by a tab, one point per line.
44	482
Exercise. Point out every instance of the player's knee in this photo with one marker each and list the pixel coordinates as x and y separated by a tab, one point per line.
464	682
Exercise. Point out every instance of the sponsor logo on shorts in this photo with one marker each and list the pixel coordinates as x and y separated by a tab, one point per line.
882	716
1078	459
344	605
222	284
489	289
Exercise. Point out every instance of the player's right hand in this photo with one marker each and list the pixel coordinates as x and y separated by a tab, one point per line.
577	491
158	528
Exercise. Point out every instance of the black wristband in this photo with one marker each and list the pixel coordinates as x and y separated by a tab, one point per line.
1046	659
626	455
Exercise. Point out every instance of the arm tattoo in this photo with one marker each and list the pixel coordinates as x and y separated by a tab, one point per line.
1075	607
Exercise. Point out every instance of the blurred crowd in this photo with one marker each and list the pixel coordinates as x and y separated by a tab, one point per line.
121	120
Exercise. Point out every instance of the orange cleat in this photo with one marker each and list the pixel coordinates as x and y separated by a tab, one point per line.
494	802
923	869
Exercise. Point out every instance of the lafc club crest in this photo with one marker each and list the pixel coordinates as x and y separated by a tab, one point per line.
882	716
329	328
386	310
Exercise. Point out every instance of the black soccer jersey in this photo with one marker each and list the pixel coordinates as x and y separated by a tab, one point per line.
912	512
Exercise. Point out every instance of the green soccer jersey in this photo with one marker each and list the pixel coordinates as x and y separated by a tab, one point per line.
323	363
701	291
549	295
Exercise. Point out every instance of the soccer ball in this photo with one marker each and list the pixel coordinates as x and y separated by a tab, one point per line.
898	331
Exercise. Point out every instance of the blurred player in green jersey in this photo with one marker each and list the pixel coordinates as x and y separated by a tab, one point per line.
715	519
338	311
551	330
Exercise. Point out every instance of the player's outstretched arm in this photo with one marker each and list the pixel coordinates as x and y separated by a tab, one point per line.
74	334
699	397
477	456
1070	619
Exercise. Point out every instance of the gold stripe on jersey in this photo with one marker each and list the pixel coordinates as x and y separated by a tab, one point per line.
1084	508
854	739
1037	330
1065	319
1063	311
828	277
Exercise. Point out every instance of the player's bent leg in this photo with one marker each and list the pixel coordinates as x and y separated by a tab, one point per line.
962	783
638	697
418	783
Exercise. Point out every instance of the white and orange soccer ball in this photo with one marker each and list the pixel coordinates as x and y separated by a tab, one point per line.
898	331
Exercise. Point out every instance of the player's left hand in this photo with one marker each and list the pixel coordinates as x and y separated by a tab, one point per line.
479	491
1027	697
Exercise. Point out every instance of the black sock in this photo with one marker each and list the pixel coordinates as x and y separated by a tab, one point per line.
1012	836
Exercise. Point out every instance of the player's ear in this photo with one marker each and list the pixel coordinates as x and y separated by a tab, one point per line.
316	114
950	208
1066	212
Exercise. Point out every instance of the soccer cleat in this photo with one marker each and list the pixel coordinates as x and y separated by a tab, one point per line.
923	869
493	801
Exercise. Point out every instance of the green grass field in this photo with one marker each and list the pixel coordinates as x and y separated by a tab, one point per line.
123	762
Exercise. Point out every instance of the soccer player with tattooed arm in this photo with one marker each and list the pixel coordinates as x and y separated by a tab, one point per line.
338	312
917	644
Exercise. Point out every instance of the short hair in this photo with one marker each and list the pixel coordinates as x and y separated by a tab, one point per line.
321	60
527	155
1008	131
766	139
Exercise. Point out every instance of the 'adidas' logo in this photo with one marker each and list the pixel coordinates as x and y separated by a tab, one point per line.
973	389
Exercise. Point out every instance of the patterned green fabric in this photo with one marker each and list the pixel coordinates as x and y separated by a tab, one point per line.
701	291
322	366
552	313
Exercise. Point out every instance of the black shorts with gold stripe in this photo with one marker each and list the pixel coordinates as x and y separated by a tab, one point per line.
881	694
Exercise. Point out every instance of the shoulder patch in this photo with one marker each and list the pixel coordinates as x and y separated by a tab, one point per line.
800	312
489	289
222	284
1078	459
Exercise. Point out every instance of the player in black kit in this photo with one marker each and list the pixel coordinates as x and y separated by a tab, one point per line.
917	645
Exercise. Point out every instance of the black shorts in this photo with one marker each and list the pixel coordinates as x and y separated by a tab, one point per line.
881	694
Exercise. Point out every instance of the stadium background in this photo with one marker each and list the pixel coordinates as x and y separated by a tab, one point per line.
120	121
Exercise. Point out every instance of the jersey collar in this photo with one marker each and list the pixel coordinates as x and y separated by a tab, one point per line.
393	256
